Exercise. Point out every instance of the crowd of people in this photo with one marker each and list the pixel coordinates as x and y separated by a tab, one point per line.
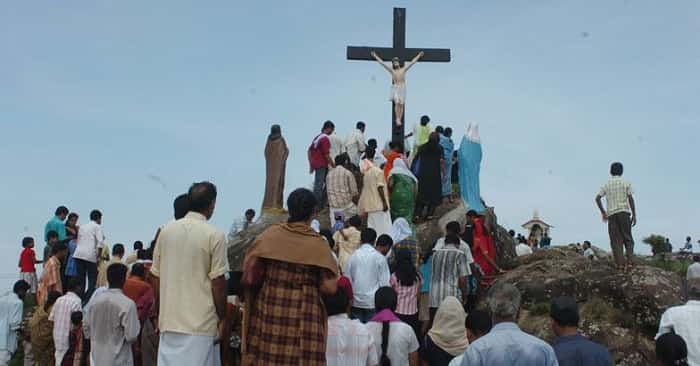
360	292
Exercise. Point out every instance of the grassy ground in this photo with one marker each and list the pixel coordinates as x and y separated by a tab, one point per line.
677	265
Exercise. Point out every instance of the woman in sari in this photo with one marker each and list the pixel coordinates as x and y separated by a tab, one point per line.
403	186
431	167
285	271
41	331
483	250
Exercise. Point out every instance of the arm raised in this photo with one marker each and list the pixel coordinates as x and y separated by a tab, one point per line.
381	62
415	59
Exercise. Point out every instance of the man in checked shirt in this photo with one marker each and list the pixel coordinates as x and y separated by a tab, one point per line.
620	215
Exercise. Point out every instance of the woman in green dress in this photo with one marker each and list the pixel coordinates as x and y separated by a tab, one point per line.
403	186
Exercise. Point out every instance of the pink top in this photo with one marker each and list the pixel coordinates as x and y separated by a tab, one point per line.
407	296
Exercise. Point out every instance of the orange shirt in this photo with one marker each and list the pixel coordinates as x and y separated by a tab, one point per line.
135	288
390	157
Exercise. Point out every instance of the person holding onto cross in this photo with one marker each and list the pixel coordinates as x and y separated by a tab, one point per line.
398	82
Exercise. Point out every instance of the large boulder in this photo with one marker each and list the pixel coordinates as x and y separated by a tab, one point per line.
239	243
620	310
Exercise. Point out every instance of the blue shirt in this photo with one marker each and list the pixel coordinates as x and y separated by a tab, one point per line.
426	270
56	225
576	350
507	345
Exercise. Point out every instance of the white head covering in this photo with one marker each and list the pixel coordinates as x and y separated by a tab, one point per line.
316	226
448	331
400	167
473	133
400	230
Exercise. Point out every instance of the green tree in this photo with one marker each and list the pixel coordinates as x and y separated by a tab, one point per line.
657	243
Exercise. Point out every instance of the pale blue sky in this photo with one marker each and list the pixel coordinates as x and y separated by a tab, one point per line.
97	96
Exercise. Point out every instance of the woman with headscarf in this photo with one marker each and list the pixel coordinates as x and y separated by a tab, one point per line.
285	271
403	187
432	164
404	238
448	336
394	340
276	153
41	332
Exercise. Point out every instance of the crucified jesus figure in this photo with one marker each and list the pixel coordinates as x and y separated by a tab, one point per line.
398	82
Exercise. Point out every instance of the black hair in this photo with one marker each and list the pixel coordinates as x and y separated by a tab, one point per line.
616	169
21	285
26	241
397	145
355	221
385	298
448	132
52	234
60	246
138	270
138	245
372	143
368	236
118	249
301	204
336	303
61	210
478	322
439	129
672	350
328	236
95	215
142	254
74	284
369	153
472	213
511	233
424	120
328	124
360	125
405	271
116	275
687	238
341	159
72	215
696	258
76	317
452	239
250	211
385	240
181	206
564	311
586	242
202	195
453	227
51	299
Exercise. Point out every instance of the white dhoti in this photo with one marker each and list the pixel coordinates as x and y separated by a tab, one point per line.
380	221
348	212
30	278
177	349
58	355
398	93
5	357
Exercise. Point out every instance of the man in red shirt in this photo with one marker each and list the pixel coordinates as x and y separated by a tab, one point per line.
27	260
320	160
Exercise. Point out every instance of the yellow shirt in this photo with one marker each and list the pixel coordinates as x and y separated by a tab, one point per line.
370	201
189	254
616	192
346	247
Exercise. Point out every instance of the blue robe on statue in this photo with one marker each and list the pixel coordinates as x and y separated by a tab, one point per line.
449	147
469	167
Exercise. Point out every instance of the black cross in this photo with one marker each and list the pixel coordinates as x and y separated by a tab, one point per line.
404	54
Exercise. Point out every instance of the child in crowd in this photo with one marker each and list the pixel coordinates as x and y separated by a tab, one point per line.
78	351
27	260
407	283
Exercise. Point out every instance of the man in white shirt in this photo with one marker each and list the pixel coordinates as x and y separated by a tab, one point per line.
337	145
355	144
349	342
90	242
11	307
368	270
522	249
588	251
61	318
683	320
190	260
693	269
112	323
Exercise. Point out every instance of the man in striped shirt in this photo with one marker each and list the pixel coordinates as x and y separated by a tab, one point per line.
449	274
342	189
620	215
60	316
